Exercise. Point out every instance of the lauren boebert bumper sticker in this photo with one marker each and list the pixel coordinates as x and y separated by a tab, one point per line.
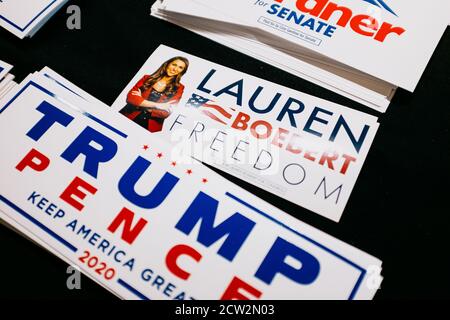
304	149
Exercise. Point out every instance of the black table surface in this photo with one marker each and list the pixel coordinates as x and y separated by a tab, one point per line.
399	209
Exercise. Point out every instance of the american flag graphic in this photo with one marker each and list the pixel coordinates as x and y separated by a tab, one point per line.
211	109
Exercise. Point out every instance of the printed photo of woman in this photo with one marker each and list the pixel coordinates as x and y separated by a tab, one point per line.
151	100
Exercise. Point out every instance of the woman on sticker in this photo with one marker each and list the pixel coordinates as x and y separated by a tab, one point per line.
151	100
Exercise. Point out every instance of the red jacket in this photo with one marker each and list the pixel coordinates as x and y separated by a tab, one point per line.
136	97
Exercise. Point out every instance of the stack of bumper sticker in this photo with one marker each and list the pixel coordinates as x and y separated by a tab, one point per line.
361	49
24	18
95	190
6	78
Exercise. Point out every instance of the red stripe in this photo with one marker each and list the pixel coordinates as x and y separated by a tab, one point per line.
212	116
219	109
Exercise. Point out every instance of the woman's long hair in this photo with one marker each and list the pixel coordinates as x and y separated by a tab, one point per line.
174	83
